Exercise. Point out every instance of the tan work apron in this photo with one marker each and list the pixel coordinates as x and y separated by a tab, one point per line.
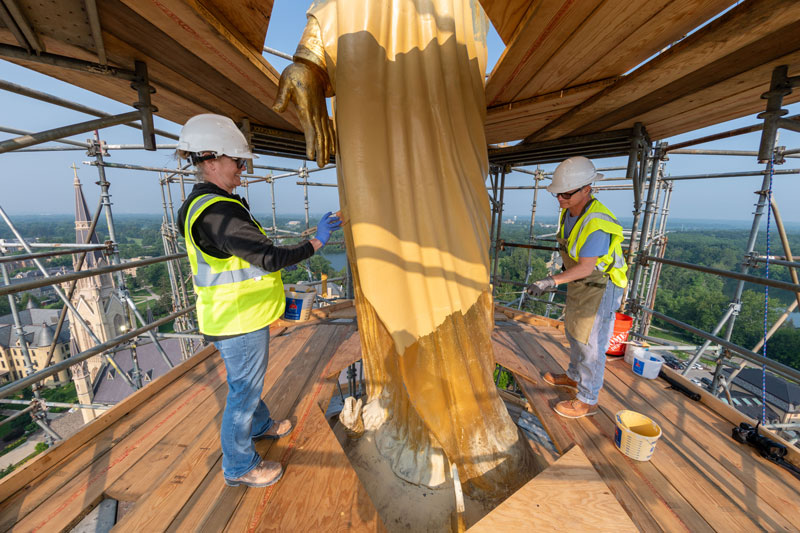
583	298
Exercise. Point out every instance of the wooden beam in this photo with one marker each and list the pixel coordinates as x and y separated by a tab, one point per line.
742	26
732	106
190	24
770	50
250	19
515	120
507	15
568	495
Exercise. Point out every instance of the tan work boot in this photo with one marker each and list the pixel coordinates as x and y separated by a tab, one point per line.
561	380
266	473
278	430
575	409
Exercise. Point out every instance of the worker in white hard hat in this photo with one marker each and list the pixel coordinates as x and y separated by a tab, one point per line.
590	244
236	276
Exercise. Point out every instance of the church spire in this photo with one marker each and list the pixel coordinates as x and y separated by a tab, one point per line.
83	221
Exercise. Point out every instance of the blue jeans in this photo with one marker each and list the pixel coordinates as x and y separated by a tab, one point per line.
587	362
246	416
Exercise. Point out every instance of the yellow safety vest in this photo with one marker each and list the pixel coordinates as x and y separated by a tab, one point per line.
233	297
598	217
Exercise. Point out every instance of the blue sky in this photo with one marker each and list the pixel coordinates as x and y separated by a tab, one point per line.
41	183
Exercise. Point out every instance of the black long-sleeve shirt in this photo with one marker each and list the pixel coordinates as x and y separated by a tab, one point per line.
225	229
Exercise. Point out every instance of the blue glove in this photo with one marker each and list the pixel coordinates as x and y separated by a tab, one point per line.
326	226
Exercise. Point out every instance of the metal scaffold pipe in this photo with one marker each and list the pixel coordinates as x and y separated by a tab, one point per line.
65	131
27	381
731	175
55	100
39	255
74	145
749	355
55	280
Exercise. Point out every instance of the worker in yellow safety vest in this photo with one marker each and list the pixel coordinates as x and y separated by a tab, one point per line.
590	244
237	280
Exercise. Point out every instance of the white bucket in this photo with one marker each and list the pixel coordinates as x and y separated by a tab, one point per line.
635	435
646	364
631	349
299	301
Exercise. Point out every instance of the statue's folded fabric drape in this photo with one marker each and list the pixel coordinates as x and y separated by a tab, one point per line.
408	80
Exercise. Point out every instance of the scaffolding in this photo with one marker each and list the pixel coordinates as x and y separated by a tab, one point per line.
645	175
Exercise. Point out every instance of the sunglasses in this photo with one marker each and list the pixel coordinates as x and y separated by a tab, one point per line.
567	195
240	162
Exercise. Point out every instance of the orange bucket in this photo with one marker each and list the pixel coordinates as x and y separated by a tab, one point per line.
622	325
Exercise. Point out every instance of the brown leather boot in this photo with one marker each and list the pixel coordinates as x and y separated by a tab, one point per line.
561	380
279	429
575	409
265	474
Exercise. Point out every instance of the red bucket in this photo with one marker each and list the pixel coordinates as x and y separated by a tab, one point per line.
622	326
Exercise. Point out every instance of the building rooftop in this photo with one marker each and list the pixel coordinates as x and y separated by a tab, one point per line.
110	388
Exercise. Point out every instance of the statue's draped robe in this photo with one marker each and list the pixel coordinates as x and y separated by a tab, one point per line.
408	79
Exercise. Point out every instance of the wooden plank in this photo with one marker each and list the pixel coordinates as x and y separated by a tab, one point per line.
725	414
652	502
727	107
760	56
529	318
345	355
149	470
568	496
516	120
194	64
553	101
320	491
742	26
249	18
610	23
539	37
647	30
66	506
164	502
506	15
769	503
258	504
195	28
704	482
505	354
187	372
542	398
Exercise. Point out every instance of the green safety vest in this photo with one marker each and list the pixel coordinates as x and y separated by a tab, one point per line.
597	217
233	297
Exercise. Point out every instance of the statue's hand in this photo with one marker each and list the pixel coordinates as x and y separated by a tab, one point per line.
305	87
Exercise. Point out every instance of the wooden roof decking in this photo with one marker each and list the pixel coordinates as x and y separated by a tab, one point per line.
570	67
572	49
160	449
201	56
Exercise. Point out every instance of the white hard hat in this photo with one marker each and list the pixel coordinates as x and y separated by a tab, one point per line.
213	133
573	173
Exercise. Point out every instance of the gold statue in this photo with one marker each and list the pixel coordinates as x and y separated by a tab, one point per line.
408	82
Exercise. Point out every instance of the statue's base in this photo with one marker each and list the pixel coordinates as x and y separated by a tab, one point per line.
404	506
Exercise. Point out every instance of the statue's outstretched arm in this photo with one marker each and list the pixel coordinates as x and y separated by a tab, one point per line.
305	82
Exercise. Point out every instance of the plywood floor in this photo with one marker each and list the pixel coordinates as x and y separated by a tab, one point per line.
160	450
